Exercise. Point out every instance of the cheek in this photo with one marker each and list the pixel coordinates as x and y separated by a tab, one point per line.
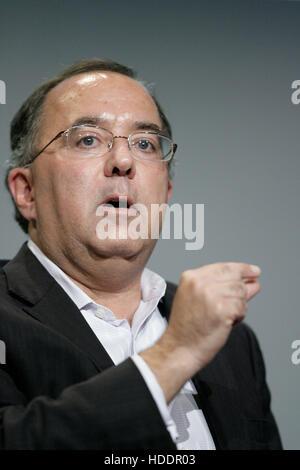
66	188
160	190
154	184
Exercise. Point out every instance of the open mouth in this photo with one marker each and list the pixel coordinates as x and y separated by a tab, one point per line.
118	203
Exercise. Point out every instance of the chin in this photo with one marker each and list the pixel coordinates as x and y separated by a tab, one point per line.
120	248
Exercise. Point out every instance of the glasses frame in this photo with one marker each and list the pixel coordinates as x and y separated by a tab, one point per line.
111	143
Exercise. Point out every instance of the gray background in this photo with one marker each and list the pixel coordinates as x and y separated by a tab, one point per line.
223	72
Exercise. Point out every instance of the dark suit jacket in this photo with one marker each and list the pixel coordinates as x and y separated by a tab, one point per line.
59	388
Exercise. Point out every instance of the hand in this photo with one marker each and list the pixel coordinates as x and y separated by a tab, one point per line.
209	301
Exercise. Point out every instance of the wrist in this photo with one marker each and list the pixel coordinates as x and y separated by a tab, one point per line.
171	364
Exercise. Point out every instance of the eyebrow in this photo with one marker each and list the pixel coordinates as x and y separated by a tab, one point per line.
96	121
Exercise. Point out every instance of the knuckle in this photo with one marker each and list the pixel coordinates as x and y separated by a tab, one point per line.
225	268
190	281
240	289
187	276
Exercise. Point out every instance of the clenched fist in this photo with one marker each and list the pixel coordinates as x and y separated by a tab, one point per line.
209	301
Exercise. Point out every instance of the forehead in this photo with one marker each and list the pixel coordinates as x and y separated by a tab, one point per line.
96	93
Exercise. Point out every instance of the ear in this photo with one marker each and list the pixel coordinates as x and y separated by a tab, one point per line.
21	187
170	189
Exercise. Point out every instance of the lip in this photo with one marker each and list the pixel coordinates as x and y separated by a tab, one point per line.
123	198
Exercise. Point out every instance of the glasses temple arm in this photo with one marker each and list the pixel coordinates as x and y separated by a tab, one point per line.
49	143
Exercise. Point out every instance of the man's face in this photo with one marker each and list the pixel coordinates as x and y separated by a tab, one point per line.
68	192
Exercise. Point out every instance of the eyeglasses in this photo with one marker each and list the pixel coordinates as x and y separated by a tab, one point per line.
87	141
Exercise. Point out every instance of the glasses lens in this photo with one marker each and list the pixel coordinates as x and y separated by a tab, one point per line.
85	141
151	146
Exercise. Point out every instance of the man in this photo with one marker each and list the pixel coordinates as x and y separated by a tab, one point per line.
91	361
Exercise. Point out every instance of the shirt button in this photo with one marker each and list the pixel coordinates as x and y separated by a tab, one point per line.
100	313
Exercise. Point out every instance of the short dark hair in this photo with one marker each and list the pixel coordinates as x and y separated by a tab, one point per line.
26	122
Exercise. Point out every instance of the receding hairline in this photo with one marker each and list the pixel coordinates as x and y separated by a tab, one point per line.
74	78
98	73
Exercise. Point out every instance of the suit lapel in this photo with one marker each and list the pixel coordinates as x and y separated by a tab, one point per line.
46	301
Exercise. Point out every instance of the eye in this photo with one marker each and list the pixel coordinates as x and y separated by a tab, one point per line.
88	141
145	145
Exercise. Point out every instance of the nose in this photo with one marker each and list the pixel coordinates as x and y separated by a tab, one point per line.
119	160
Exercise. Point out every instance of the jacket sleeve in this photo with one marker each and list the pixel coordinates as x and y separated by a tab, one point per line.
113	410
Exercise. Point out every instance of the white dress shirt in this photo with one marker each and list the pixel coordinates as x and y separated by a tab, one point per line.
183	419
